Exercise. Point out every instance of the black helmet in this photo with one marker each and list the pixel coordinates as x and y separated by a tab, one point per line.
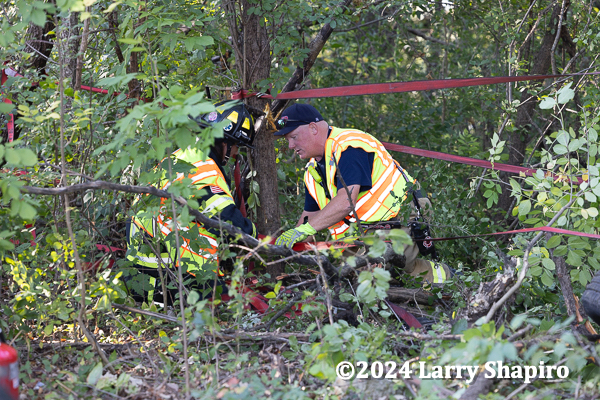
240	129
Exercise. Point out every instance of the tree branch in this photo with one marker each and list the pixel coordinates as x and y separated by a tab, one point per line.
315	46
417	32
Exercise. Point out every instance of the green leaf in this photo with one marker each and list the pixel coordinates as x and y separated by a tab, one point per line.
560	149
592	212
565	94
536	271
547	103
515	185
381	274
27	157
548	264
193	297
573	259
553	242
112	7
547	279
95	374
524	207
6	108
6	245
38	17
131	40
1	152
517	321
563	138
560	251
12	156
26	211
589	196
205	41
460	326
103	303
574	145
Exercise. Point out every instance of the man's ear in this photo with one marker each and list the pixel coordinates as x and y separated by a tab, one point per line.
314	129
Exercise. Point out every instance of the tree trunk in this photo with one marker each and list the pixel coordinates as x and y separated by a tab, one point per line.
253	63
69	35
40	45
520	137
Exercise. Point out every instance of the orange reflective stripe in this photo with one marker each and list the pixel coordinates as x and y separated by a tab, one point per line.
376	204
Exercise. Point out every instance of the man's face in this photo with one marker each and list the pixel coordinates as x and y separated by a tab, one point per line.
302	141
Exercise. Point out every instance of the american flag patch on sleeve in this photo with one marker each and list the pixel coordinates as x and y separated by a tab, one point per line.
216	189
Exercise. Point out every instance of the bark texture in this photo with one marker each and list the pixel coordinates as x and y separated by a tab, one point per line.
40	44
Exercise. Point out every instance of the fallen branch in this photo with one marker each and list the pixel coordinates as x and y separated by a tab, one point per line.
403	295
146	312
201	218
422	336
343	271
261	336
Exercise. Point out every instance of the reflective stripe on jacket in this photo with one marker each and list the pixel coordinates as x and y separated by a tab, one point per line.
388	190
206	175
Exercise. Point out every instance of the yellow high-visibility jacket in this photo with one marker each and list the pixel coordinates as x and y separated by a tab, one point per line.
389	186
213	192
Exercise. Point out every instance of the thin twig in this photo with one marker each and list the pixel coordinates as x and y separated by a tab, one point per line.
520	332
145	312
80	275
560	19
327	294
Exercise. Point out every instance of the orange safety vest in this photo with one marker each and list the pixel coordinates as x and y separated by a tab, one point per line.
206	174
388	191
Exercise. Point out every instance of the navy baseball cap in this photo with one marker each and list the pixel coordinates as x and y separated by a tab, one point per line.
295	116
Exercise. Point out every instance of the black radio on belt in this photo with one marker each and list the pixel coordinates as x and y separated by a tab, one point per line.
420	234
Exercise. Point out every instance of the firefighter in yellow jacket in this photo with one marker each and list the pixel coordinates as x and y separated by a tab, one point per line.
198	245
377	183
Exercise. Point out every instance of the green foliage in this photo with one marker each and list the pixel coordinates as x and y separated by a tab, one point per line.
117	138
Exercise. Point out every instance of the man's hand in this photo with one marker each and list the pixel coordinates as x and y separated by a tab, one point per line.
291	236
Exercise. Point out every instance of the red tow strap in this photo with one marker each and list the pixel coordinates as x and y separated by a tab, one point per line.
398	87
305	246
466	160
525	230
10	125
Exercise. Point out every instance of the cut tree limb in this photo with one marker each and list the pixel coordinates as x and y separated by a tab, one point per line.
403	295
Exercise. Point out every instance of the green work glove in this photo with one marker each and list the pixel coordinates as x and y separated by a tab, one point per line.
291	236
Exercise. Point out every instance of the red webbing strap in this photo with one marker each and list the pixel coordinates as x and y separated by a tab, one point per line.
97	90
304	246
464	160
539	229
10	125
398	87
407	317
238	188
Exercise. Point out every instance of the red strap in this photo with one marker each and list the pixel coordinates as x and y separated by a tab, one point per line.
10	125
539	229
464	160
238	188
97	90
302	246
398	87
405	315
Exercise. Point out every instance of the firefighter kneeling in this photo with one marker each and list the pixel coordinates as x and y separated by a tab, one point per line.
150	236
377	184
